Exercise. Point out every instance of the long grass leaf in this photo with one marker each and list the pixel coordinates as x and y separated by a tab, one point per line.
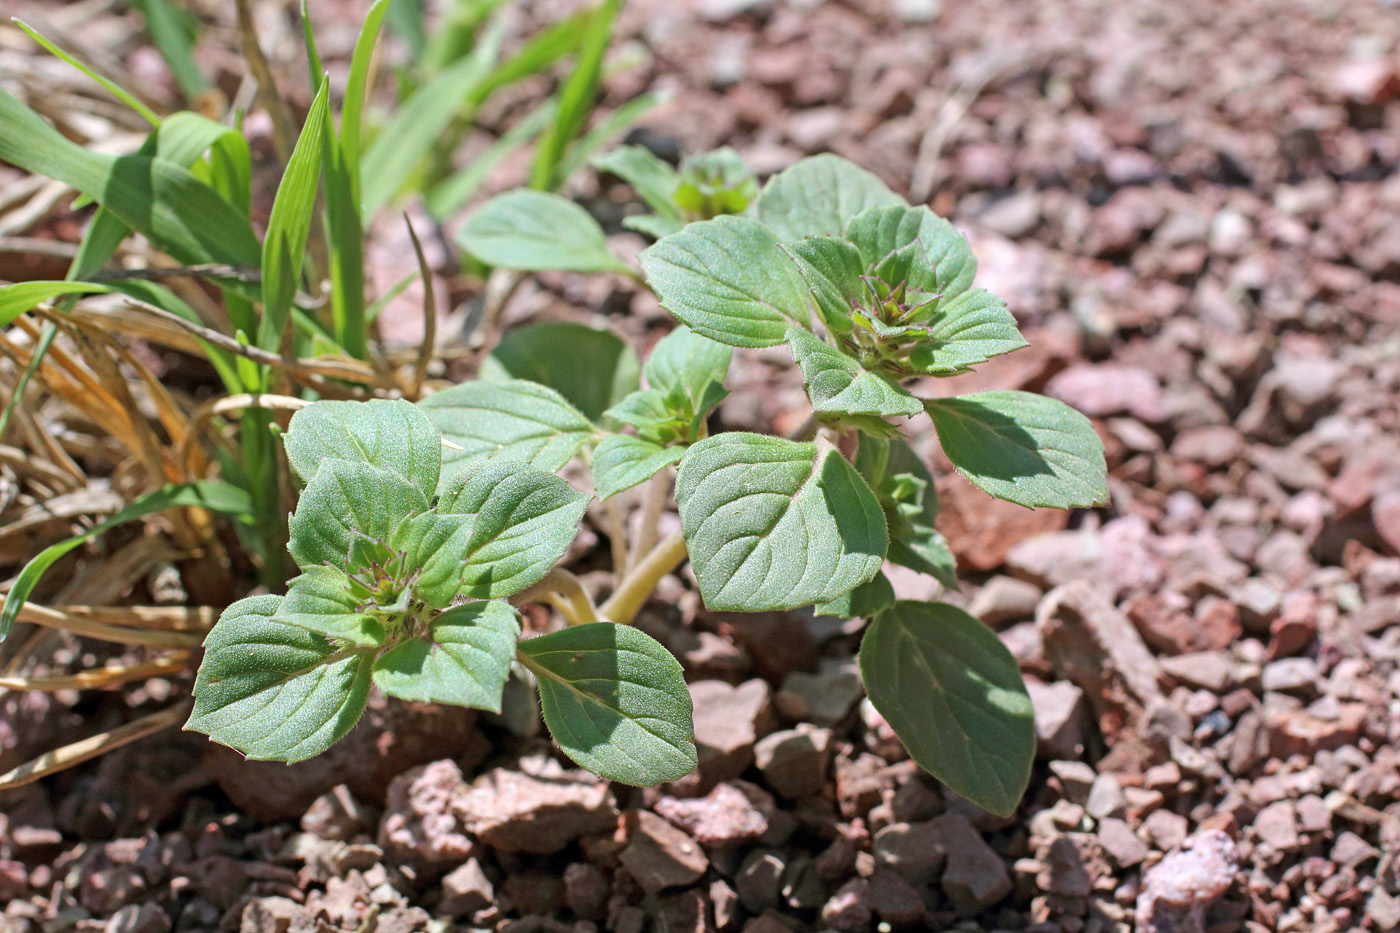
403	145
613	125
576	98
289	224
168	34
214	496
19	298
452	194
352	110
538	54
112	87
313	54
181	214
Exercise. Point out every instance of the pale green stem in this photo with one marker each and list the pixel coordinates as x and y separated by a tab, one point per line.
563	591
658	490
631	594
617	534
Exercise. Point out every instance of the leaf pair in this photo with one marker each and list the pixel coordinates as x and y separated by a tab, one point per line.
386	575
405	570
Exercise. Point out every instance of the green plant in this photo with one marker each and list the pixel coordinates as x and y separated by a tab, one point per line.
188	191
707	185
866	293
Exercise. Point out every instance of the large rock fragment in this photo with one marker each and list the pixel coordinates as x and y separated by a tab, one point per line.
516	812
1178	889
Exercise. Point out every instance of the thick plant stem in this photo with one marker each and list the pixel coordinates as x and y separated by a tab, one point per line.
658	489
631	594
617	535
564	592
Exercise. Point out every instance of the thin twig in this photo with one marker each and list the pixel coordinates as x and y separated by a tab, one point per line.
101	676
82	750
617	534
425	349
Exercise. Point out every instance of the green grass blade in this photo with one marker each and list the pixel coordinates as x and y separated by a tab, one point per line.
406	18
19	298
346	242
112	87
352	110
455	32
452	194
575	98
613	125
217	497
547	47
169	33
313	55
164	201
290	223
405	143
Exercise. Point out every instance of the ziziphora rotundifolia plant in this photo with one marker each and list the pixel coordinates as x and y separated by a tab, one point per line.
418	523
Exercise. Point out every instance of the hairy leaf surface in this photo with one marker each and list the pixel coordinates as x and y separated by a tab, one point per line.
815	197
729	280
274	691
320	600
941	264
511	420
621	462
391	435
837	385
864	602
615	700
967	330
773	524
346	502
523	520
1023	448
463	658
953	694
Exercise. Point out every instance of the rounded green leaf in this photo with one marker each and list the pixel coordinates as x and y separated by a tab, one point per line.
953	694
463	658
964	331
1023	448
512	420
817	196
838	385
391	435
686	359
273	691
522	522
621	461
534	230
729	280
320	600
591	368
615	701
771	524
941	264
865	601
347	502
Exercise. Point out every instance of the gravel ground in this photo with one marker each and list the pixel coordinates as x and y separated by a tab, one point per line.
1193	209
